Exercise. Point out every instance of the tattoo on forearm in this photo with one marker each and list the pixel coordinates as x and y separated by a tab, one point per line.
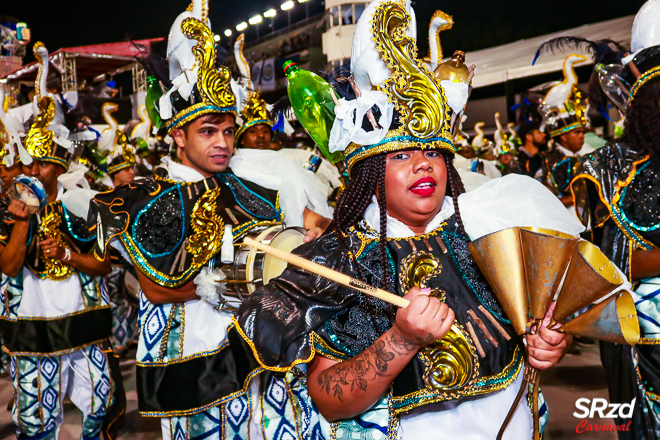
356	373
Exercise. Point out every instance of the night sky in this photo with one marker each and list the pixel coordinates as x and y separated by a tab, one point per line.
479	23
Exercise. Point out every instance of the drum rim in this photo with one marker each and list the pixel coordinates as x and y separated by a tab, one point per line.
249	261
35	186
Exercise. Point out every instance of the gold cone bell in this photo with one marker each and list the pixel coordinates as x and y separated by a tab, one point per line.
614	320
590	276
500	258
546	255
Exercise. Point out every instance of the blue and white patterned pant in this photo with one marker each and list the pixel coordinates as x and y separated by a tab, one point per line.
42	383
272	409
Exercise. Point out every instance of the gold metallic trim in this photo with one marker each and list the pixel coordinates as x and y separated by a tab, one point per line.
208	229
256	354
183	359
648	341
195	111
646	77
218	402
652	396
427	396
411	88
600	195
55	353
39	141
566	129
56	270
329	352
52	318
451	364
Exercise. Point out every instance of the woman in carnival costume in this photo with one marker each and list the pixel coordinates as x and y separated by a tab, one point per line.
369	369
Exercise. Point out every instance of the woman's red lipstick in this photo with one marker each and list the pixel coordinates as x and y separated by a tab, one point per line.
424	187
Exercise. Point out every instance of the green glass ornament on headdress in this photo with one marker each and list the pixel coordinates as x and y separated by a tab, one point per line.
312	100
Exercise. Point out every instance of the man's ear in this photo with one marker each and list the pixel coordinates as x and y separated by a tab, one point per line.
179	137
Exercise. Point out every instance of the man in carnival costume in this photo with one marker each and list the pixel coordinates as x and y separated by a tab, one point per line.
532	136
56	316
366	365
257	129
179	230
616	192
255	134
564	112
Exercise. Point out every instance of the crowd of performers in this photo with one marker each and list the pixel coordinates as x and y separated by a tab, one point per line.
132	236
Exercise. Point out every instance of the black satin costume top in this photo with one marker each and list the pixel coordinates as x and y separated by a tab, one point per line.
559	170
299	314
57	222
172	229
38	336
617	191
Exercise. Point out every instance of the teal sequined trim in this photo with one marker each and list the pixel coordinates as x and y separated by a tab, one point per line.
138	259
633	233
399	139
205	109
322	350
366	250
226	182
563	186
482	383
70	227
345	350
489	381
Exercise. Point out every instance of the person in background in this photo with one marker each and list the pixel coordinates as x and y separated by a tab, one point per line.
617	194
530	154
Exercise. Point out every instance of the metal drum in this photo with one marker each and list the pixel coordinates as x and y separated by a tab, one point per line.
30	191
253	268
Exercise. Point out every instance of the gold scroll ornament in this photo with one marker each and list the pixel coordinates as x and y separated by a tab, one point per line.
56	270
208	229
412	88
451	361
214	84
39	140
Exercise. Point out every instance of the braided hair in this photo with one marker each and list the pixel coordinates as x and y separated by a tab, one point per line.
642	126
367	179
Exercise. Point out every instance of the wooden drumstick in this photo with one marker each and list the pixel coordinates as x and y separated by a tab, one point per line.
330	274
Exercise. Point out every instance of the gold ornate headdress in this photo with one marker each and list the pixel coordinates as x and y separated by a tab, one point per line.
114	144
563	108
40	141
254	113
212	92
423	113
